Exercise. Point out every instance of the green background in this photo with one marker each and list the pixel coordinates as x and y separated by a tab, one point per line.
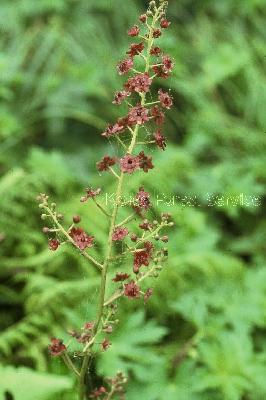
202	334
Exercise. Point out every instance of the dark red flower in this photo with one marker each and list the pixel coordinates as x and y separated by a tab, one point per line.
143	18
57	347
138	115
124	66
155	51
165	99
139	83
112	130
120	276
129	163
145	162
131	290
158	115
81	239
134	31
160	139
164	23
157	33
168	64
106	344
120	96
53	244
145	225
135	49
88	326
119	233
105	163
160	72
143	199
147	294
98	392
90	194
142	257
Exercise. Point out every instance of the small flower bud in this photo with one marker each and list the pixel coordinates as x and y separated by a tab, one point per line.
83	199
43	216
60	216
171	224
108	329
45	229
133	237
155	275
53	205
143	18
76	219
149	13
41	205
157	237
155	222
152	3
164	239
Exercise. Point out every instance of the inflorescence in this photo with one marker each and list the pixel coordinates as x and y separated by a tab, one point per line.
142	125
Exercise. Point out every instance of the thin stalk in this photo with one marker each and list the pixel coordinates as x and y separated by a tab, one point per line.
101	208
69	363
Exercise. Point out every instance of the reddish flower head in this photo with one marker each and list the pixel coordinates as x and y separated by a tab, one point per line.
168	64
53	244
81	239
155	51
145	162
165	99
112	130
143	18
145	225
158	115
142	257
138	115
119	233
106	344
131	290
164	23
88	326
120	276
157	33
124	66
143	199
134	31
139	83
98	392
135	49
129	163
90	194
160	139
57	347
105	163
120	96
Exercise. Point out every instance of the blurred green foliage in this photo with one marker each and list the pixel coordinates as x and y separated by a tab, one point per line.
202	335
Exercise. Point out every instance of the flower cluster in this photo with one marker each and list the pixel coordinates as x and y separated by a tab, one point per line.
140	246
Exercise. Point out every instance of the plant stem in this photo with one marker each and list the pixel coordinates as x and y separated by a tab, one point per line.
69	363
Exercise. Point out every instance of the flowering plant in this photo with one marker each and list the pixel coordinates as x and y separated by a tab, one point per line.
142	126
